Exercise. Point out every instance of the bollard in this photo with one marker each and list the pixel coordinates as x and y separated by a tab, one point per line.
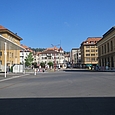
35	71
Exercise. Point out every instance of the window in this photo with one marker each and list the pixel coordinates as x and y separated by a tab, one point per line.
102	49
92	59
92	54
92	42
92	50
12	55
87	54
111	46
87	50
99	51
87	59
0	53
105	48
108	46
49	57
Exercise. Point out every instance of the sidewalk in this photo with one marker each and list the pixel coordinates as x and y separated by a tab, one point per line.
10	75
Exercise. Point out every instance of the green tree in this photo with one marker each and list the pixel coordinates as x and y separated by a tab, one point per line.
42	64
29	59
50	63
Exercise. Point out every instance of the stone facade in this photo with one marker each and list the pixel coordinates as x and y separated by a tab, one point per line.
106	47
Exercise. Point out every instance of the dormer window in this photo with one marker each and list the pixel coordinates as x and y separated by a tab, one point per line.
92	42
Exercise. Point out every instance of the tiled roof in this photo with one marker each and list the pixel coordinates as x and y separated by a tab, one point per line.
27	48
48	52
60	49
3	29
92	40
52	48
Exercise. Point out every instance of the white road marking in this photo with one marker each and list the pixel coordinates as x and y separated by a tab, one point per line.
12	77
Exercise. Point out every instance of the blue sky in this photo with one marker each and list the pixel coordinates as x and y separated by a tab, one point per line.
44	22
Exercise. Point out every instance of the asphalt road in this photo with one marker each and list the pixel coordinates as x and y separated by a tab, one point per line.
61	93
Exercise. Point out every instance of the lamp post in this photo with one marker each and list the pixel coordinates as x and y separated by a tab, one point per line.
5	53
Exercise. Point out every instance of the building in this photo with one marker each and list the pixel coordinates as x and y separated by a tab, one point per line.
67	57
25	53
106	48
76	57
89	52
55	55
12	48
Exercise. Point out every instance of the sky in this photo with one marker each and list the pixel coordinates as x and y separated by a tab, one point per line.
65	23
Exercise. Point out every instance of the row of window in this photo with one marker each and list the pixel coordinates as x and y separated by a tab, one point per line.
91	46
52	58
56	62
91	50
9	54
106	47
91	54
91	59
91	42
51	54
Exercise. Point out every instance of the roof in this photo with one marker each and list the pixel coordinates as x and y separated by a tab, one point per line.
93	38
109	31
53	48
75	48
1	27
5	30
91	41
60	49
48	52
27	48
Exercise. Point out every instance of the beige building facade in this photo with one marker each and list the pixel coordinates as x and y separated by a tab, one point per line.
106	47
13	54
89	52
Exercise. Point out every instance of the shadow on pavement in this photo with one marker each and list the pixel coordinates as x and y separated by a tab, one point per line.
58	106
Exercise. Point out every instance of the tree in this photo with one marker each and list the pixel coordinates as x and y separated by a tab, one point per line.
42	64
29	59
35	65
38	49
50	63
